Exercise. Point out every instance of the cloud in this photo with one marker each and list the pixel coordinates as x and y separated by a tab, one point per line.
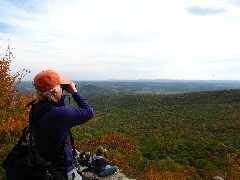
137	39
200	11
234	2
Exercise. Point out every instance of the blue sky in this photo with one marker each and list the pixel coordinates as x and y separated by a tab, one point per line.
127	39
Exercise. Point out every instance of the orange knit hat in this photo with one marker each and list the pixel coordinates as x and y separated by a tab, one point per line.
47	80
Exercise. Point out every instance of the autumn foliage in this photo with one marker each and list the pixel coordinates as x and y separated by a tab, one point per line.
169	137
13	112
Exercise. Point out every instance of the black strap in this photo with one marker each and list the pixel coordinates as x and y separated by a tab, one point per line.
74	152
23	138
31	103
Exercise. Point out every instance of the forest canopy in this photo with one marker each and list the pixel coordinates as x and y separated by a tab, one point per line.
151	136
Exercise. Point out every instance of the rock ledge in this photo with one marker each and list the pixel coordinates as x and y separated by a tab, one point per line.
92	176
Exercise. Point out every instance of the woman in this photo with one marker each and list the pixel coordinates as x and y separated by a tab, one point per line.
51	131
100	163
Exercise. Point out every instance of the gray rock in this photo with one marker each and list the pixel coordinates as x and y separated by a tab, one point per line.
217	178
93	176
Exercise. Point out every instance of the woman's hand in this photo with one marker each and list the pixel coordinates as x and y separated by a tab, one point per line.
71	88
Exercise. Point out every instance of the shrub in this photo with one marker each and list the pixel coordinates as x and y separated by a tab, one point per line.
13	112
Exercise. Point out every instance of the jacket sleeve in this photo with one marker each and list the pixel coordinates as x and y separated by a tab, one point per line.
72	116
105	161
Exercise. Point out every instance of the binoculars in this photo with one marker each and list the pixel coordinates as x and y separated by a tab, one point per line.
65	86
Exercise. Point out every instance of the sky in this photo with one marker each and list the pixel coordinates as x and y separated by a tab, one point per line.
124	40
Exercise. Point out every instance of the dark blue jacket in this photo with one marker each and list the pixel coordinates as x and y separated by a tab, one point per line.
99	163
54	126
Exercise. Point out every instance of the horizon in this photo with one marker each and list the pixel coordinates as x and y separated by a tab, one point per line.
219	80
137	39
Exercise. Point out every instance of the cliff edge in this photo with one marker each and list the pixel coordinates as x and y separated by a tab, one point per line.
86	175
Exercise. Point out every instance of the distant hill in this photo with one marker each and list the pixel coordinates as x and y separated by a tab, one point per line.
145	86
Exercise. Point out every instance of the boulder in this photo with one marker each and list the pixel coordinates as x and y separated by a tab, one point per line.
217	178
86	175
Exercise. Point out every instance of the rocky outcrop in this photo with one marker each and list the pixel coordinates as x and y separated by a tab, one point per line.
86	175
217	178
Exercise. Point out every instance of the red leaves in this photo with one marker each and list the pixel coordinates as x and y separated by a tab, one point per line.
114	141
13	113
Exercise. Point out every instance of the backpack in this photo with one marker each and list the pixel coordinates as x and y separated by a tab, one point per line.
25	163
85	159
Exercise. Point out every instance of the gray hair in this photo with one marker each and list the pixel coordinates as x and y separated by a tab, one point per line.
47	95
